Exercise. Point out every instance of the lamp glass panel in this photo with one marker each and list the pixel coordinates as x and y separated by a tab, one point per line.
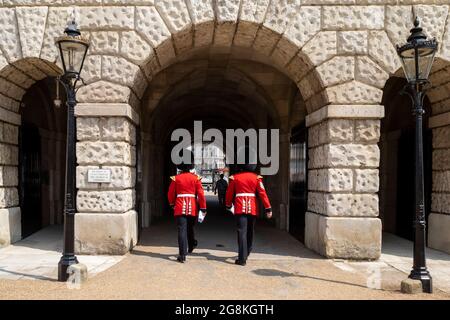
409	67
73	55
426	58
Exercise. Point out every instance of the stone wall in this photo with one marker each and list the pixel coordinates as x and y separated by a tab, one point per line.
343	182
106	221
439	219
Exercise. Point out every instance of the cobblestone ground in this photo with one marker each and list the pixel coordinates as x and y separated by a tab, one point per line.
280	268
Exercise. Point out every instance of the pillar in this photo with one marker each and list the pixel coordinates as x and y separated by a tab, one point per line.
106	220
439	218
343	180
10	218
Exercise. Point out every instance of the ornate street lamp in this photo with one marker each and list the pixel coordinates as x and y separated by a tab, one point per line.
72	49
417	57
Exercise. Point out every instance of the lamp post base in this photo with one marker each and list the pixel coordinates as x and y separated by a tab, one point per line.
424	276
64	263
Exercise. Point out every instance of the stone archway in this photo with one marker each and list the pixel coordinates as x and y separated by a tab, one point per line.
338	64
326	76
16	80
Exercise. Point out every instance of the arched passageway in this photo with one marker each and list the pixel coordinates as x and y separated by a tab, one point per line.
222	92
397	161
42	150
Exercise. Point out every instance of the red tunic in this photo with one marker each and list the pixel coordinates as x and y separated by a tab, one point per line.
186	194
242	191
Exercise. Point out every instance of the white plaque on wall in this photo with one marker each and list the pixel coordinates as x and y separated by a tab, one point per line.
99	175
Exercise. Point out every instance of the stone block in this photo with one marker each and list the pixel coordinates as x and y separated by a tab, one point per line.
105	92
304	25
118	129
354	92
383	52
343	238
352	42
121	178
336	130
279	14
440	202
119	70
29	67
370	73
108	17
11	90
345	112
441	137
398	22
432	19
411	286
134	47
354	155
441	181
105	153
113	234
201	11
104	42
337	70
347	155
151	26
175	14
367	131
438	235
366	180
88	129
57	18
9	176
10	34
441	159
105	201
9	197
10	226
445	43
9	155
329	180
31	22
9	133
353	17
343	204
321	47
9	105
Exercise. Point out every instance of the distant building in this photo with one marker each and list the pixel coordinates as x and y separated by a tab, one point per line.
210	161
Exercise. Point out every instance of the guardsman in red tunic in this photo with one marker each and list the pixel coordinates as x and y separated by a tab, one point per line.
186	197
243	188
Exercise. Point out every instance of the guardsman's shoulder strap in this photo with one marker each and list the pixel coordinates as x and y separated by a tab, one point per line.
172	178
259	177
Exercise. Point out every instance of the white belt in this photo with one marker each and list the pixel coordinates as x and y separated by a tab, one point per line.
245	194
186	195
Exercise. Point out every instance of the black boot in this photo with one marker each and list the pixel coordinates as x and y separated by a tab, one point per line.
181	259
193	247
239	262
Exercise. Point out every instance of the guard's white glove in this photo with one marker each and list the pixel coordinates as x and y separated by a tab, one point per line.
231	209
201	216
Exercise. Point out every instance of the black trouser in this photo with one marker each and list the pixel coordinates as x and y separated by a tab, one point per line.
222	199
186	237
245	228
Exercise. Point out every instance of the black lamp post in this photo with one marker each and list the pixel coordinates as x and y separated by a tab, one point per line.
417	57
72	48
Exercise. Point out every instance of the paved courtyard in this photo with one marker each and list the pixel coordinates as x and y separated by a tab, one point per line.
280	268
